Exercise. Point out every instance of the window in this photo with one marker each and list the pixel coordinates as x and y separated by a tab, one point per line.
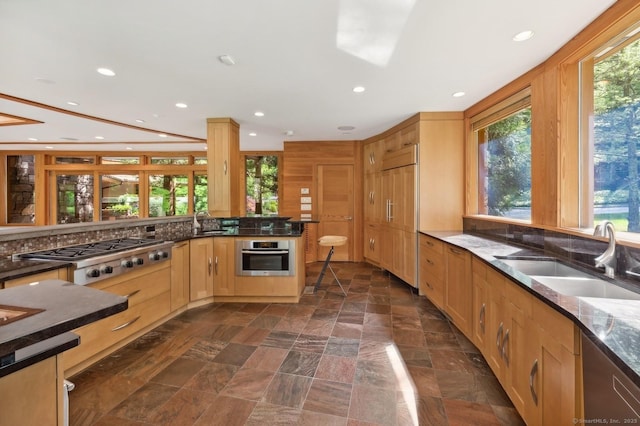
262	184
200	193
21	189
610	140
168	195
119	196
503	135
74	195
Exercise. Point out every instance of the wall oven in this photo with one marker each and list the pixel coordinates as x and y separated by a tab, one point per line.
265	257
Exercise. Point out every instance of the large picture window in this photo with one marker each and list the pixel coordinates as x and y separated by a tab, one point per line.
611	134
503	136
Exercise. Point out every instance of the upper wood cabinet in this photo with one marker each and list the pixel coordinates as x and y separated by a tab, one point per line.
223	165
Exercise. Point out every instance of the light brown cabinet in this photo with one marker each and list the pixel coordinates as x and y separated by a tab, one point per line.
33	395
149	295
56	274
224	273
223	165
201	268
179	275
530	347
373	247
432	269
458	290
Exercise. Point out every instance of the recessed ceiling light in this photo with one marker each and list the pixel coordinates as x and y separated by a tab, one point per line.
106	71
346	128
524	35
33	139
205	147
253	134
259	114
139	121
227	60
100	137
181	105
289	133
49	147
458	94
45	80
162	135
72	103
359	89
128	148
66	138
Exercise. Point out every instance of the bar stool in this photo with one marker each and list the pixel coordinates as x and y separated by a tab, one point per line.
330	241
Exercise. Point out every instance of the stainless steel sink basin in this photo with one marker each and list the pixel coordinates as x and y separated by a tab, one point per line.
586	287
549	268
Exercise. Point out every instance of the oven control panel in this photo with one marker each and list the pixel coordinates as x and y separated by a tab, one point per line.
126	263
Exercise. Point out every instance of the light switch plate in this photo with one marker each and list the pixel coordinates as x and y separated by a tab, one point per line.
305	207
305	200
304	190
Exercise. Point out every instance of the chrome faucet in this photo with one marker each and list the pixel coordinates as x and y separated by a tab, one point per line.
608	258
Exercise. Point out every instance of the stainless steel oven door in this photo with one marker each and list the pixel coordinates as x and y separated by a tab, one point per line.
265	257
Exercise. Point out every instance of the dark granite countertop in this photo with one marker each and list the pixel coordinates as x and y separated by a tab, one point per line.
612	324
11	269
66	306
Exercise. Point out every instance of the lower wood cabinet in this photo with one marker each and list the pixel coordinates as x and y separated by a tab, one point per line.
56	274
431	279
201	268
224	273
42	384
149	294
180	275
458	291
530	347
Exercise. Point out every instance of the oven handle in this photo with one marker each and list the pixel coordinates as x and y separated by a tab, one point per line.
265	252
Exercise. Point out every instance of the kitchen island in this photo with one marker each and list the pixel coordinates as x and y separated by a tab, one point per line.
35	324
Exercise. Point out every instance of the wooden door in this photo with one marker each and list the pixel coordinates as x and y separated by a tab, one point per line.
336	207
223	266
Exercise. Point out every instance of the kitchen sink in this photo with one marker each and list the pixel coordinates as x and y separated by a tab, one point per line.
586	287
549	268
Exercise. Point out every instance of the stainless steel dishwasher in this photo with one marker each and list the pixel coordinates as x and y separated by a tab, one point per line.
609	395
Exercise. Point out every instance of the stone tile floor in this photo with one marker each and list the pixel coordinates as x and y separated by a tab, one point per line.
382	355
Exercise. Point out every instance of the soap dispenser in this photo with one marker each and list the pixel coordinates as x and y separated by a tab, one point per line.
196	224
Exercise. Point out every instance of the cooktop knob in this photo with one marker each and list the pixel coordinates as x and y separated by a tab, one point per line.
93	273
154	256
106	269
138	261
127	264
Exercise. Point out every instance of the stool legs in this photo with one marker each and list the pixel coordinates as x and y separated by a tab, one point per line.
324	269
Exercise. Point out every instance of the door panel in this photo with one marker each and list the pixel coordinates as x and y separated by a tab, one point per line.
336	207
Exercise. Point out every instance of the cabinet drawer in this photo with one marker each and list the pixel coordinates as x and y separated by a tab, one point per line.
100	335
139	287
56	274
432	244
556	326
432	267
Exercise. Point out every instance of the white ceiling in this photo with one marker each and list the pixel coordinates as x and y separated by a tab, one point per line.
295	60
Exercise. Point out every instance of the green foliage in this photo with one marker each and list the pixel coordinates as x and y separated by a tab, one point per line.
509	163
617	129
266	189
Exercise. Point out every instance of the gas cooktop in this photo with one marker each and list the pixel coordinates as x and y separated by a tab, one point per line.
86	251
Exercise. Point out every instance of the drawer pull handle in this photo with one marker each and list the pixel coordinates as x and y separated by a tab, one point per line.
454	251
224	166
429	243
532	375
505	341
482	316
499	337
126	324
429	262
133	293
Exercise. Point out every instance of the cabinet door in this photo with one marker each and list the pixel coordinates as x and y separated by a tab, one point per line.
407	209
480	306
386	248
432	269
223	266
56	274
179	275
373	203
371	240
201	268
223	142
458	293
410	252
558	401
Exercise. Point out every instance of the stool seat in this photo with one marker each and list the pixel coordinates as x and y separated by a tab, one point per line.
330	241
